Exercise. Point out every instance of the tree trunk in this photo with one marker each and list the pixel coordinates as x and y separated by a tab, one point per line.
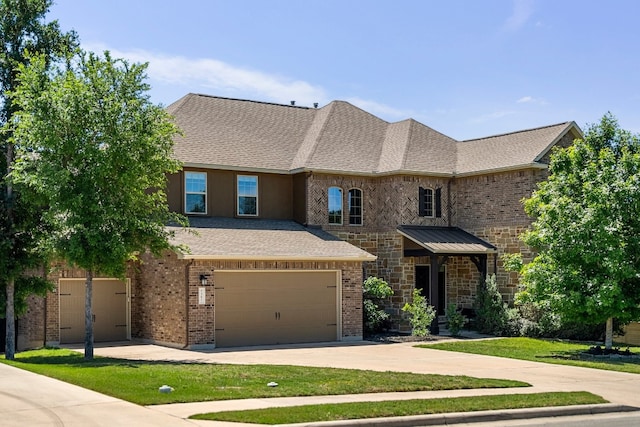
88	317
608	336
10	340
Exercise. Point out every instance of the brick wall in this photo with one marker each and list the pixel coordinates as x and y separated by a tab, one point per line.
159	311
167	302
387	201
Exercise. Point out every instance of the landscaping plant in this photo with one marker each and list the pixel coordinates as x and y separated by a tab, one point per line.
375	291
489	307
421	314
455	319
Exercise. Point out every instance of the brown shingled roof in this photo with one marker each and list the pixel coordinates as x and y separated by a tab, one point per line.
339	137
231	238
508	150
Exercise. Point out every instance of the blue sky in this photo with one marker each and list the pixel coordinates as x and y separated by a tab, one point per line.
466	68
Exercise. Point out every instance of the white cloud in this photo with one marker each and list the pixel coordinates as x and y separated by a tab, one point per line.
522	11
211	76
214	76
531	100
379	109
492	116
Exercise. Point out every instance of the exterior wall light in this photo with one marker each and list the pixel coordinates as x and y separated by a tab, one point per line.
203	279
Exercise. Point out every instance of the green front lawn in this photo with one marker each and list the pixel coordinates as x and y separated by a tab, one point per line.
138	381
397	408
539	350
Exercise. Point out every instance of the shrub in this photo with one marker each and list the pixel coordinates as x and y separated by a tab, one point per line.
455	319
492	316
421	314
374	292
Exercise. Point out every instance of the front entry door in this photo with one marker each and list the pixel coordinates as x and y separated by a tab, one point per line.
423	282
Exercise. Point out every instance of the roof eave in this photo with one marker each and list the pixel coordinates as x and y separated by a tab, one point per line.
233	168
240	257
533	165
570	126
372	173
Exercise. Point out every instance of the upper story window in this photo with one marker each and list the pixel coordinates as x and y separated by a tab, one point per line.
195	199
335	205
247	195
355	206
429	202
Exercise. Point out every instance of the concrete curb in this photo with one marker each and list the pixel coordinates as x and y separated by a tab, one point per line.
474	417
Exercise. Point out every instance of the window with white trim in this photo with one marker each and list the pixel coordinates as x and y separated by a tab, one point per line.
195	192
335	205
247	195
354	200
430	202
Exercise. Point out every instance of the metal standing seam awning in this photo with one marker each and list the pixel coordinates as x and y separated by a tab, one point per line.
442	241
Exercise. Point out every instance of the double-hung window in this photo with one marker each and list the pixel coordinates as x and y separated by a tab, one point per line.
335	205
195	200
247	195
355	206
430	203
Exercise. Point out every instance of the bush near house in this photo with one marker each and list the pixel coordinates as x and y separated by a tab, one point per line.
421	314
375	291
455	319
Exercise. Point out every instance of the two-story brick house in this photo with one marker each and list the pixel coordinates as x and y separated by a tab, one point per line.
294	206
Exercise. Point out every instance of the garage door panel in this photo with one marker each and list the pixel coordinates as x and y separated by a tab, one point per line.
109	309
254	308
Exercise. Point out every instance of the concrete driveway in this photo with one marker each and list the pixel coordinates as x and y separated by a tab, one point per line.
619	388
29	399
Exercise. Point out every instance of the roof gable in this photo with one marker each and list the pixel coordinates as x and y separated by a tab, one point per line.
340	138
510	150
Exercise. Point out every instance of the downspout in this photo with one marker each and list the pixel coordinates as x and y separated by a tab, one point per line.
449	209
46	300
186	300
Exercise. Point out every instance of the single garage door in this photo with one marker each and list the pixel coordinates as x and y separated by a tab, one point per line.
109	306
258	308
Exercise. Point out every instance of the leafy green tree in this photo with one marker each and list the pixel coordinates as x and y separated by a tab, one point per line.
22	29
587	230
92	145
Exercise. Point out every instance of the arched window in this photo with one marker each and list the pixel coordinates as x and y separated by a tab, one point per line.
430	202
335	205
355	206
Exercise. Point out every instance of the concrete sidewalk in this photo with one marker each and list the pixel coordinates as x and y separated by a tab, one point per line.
28	399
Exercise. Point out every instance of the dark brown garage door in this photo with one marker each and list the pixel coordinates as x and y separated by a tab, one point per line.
257	308
109	304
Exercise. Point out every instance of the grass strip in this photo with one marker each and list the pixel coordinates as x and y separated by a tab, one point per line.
138	381
397	408
541	350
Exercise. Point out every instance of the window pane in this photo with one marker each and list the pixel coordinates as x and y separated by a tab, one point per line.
335	205
247	195
195	203
196	182
428	202
355	207
248	186
247	206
